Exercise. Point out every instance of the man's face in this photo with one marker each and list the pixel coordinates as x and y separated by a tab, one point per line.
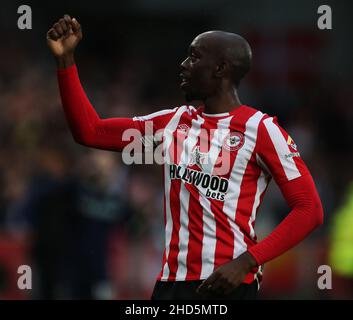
197	75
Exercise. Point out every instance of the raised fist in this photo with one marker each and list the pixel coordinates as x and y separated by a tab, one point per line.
64	36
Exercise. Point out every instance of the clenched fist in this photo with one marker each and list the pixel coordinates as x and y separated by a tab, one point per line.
63	38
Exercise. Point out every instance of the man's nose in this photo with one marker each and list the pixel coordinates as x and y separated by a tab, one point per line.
183	65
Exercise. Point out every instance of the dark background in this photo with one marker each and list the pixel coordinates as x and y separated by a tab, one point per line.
91	227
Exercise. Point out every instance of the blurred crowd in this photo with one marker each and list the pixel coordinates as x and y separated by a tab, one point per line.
91	227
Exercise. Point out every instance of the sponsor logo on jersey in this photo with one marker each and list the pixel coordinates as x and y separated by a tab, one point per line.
214	187
198	158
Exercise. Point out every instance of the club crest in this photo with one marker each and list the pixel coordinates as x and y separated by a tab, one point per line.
234	141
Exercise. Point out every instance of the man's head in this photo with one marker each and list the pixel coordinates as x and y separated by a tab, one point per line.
215	59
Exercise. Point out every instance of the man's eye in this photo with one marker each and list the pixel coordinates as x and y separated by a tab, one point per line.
193	58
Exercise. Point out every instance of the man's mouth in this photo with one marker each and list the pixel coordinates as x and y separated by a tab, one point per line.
184	79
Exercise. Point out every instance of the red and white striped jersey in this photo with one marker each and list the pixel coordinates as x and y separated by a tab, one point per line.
216	172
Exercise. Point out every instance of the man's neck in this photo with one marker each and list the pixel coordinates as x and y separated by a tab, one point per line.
224	101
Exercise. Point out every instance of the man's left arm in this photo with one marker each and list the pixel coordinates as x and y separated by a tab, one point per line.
279	155
305	215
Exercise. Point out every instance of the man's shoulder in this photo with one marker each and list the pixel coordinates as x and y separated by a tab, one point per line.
253	110
252	116
260	114
263	122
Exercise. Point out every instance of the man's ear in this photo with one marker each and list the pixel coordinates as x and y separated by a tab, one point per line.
221	69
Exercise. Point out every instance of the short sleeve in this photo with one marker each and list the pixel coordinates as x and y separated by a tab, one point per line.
277	153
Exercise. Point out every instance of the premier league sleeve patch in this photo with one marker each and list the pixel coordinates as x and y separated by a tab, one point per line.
293	148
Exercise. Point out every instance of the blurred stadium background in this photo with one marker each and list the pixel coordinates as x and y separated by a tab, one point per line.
91	227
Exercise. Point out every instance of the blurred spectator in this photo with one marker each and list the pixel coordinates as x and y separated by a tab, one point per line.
341	248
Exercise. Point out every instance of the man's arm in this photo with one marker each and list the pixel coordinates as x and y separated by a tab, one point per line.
279	154
86	126
305	215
